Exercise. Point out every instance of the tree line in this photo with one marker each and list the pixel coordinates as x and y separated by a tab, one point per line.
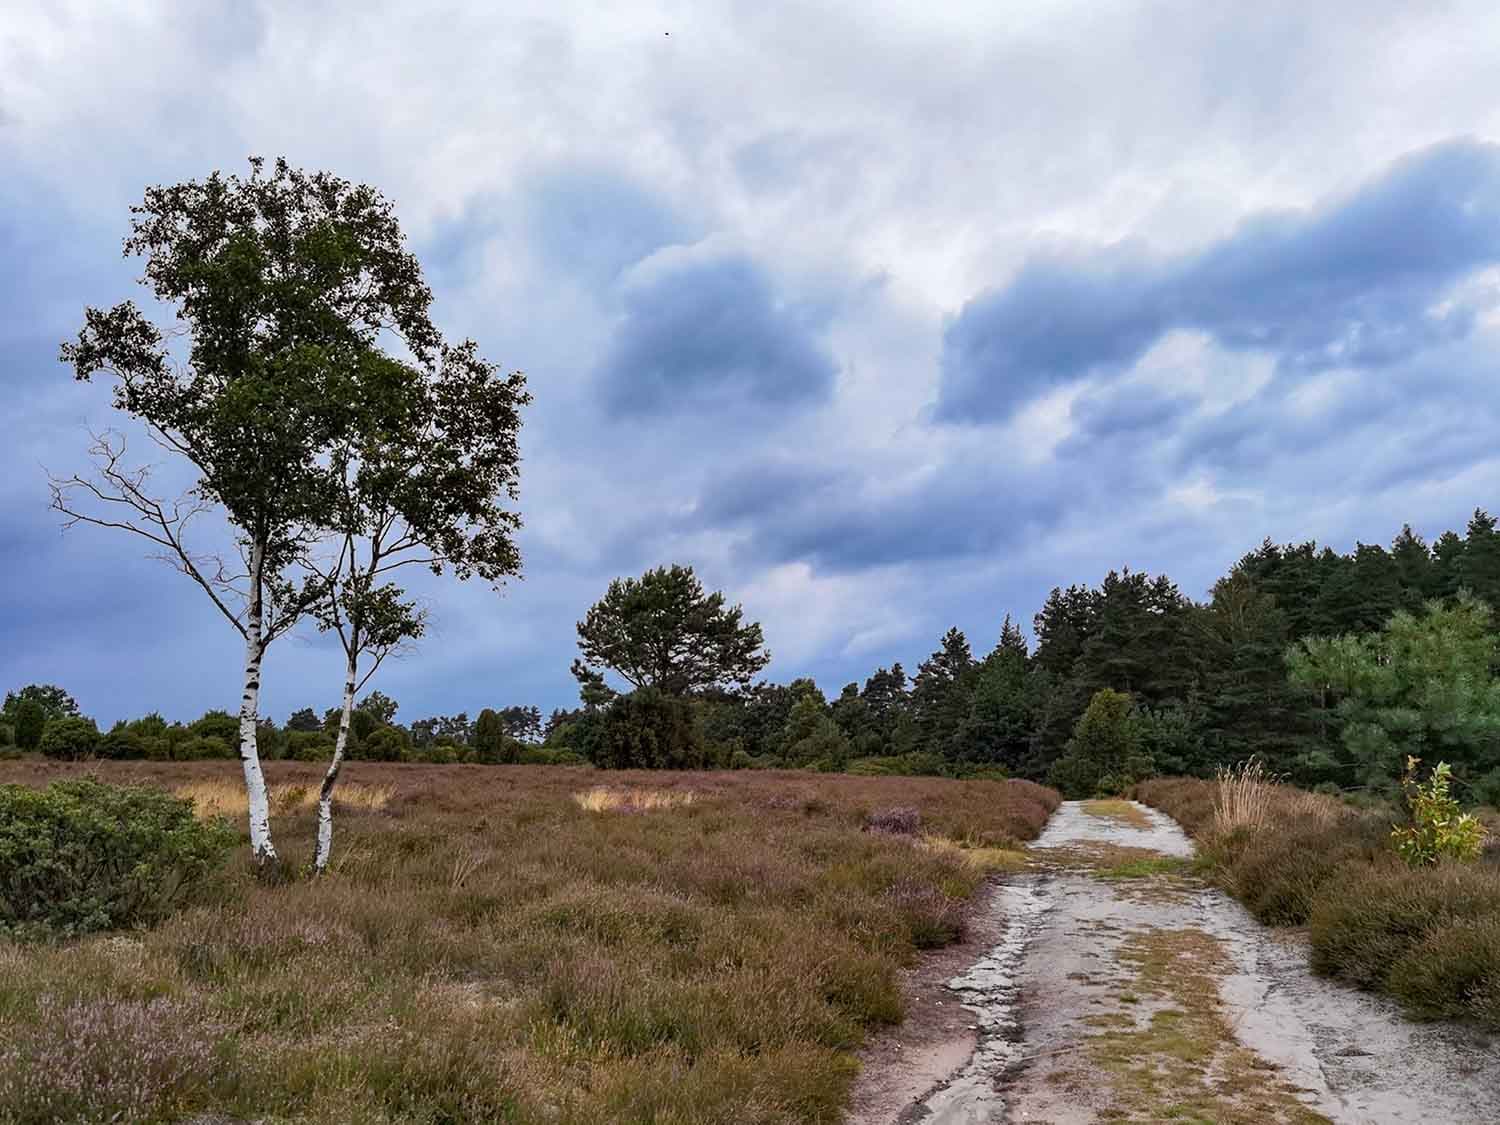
1327	666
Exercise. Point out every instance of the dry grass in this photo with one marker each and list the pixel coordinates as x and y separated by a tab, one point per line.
988	860
489	950
602	798
1117	809
225	796
1244	796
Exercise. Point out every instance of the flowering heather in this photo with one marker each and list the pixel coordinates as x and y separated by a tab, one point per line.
486	948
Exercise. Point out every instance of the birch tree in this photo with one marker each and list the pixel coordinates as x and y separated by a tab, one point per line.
424	477
282	284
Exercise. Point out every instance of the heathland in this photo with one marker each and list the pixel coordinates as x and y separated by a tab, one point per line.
512	944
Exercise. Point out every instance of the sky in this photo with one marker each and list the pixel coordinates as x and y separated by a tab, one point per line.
885	317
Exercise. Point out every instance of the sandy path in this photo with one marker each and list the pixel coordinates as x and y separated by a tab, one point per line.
1116	993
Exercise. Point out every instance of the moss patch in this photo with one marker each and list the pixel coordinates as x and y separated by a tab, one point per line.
1183	1063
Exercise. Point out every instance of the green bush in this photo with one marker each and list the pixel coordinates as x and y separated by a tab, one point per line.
70	738
30	721
648	729
7	735
542	756
385	744
80	856
308	746
1105	756
203	747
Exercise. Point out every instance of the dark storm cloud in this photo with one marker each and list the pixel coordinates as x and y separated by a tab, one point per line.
713	332
1349	284
843	522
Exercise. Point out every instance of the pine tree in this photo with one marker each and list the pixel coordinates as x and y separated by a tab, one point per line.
1414	568
941	693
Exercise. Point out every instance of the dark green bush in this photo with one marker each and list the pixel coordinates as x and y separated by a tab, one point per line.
30	721
542	756
648	729
80	856
203	747
70	738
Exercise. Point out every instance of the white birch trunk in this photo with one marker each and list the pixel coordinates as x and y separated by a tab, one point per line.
330	779
255	780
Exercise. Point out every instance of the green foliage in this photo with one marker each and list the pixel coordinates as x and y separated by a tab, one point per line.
914	764
386	744
1104	756
70	738
664	631
201	748
543	756
217	724
53	700
492	741
1438	828
30	721
308	746
379	706
304	720
811	739
80	856
1421	687
649	729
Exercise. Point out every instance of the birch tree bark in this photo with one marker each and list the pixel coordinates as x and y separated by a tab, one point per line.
256	797
325	794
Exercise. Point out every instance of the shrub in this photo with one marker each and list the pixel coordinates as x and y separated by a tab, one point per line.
386	744
542	756
1373	920
70	738
217	724
1453	972
1438	828
7	735
203	748
308	745
648	729
79	856
1104	756
30	721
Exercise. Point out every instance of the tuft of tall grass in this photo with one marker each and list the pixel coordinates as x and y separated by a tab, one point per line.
602	798
220	796
1244	796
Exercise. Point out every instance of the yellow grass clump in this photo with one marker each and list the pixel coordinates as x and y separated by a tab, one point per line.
226	797
1244	796
988	860
602	798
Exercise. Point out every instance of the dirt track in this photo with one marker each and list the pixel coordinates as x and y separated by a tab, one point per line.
1117	986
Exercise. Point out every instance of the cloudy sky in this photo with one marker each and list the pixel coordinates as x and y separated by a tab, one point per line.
885	316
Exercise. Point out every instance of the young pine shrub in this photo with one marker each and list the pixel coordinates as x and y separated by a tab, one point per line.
80	856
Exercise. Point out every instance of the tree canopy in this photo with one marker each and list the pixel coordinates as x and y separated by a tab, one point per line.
663	631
